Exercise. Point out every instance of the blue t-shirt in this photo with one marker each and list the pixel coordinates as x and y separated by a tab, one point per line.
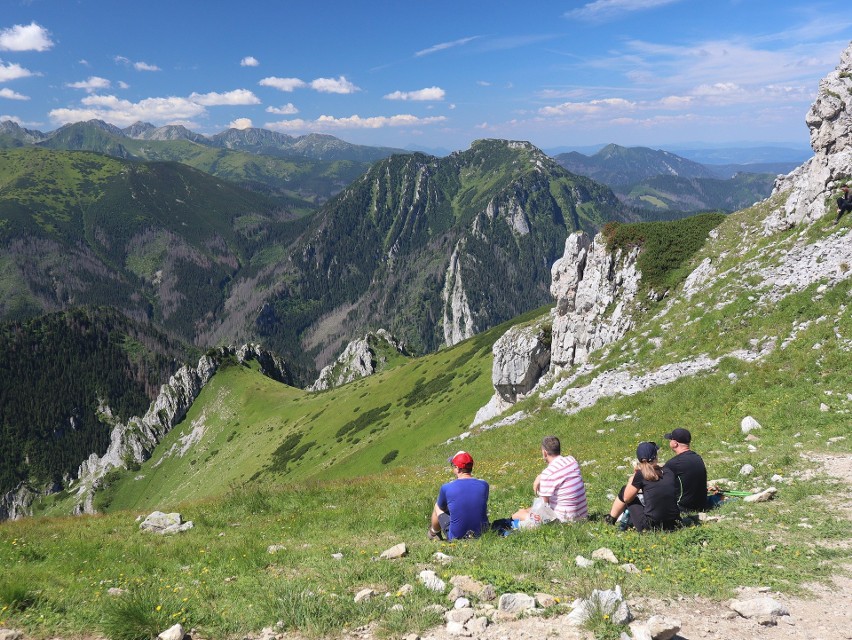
466	502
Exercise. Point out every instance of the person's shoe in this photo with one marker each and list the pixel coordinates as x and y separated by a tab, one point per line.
609	519
433	535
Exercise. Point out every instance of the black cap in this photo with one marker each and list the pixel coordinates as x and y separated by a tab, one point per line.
646	451
679	435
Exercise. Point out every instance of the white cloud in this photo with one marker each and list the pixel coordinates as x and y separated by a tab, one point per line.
283	84
432	93
94	83
144	66
123	85
124	113
231	98
241	123
32	37
13	71
329	123
676	102
249	61
590	107
333	85
139	66
445	45
483	83
14	119
287	110
12	95
601	10
84	62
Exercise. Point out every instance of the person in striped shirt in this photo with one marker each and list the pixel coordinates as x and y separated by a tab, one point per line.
560	484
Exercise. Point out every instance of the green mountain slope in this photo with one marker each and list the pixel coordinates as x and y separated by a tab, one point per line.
390	251
157	240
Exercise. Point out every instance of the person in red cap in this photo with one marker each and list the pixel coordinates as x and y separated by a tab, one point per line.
657	507
461	510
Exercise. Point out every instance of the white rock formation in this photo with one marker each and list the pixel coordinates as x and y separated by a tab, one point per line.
359	359
594	289
521	356
458	319
812	185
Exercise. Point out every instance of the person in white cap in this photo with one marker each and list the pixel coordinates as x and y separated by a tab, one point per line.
461	510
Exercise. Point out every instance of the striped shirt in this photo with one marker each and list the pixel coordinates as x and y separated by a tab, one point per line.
562	483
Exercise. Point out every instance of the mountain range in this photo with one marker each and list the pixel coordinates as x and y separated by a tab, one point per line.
663	184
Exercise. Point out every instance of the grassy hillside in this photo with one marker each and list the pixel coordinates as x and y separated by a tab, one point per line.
338	497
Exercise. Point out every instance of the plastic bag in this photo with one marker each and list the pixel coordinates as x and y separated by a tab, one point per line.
540	513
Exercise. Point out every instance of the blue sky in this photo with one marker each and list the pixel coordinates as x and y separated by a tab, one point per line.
434	74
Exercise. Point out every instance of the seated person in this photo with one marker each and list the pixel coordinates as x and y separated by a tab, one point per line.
657	508
461	510
690	471
560	485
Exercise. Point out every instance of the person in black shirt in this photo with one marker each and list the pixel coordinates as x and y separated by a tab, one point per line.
689	469
657	508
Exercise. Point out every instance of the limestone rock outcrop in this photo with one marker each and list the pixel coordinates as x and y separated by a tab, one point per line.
16	504
458	318
812	185
594	289
361	358
521	357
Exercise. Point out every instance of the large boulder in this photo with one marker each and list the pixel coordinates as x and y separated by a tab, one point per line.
521	356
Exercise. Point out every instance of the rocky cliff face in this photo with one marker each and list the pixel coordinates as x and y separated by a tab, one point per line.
361	358
811	186
593	289
17	503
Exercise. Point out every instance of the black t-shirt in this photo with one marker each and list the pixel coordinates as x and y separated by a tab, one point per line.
692	474
660	496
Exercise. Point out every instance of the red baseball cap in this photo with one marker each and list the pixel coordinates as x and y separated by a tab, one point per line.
462	460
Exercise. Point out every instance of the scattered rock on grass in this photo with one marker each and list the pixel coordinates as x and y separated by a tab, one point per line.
431	581
763	496
515	602
172	633
604	554
749	424
165	523
396	551
11	634
583	562
364	594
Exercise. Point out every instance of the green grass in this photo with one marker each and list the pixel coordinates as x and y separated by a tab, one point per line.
346	496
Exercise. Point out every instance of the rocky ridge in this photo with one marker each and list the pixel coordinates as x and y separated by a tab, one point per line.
361	358
133	442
